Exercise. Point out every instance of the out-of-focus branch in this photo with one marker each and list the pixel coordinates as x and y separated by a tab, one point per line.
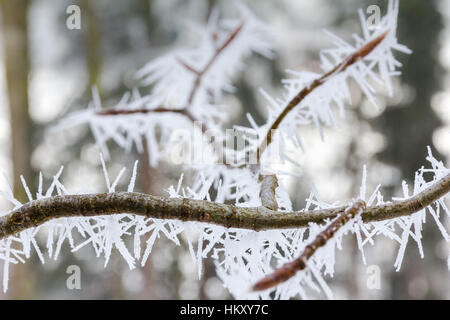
184	112
37	212
341	67
211	61
115	112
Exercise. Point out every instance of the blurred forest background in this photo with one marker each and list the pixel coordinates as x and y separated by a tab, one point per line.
47	70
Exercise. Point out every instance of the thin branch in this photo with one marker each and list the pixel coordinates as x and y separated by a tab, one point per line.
341	67
288	270
187	66
115	112
185	112
39	211
211	61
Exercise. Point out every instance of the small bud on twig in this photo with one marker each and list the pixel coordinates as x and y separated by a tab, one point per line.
267	192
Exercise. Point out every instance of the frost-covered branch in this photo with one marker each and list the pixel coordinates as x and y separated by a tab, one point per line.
37	212
219	50
288	270
295	101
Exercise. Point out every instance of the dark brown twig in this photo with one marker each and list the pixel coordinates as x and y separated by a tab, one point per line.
115	112
267	191
185	112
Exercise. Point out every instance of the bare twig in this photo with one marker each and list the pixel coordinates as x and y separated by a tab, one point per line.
289	270
187	66
115	112
341	67
267	192
37	212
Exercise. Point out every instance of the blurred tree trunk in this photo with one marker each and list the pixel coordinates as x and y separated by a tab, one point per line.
17	67
92	34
